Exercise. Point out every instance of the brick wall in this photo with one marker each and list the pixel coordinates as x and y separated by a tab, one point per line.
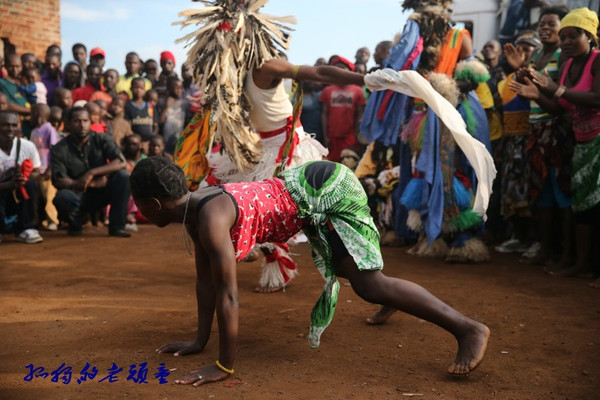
30	25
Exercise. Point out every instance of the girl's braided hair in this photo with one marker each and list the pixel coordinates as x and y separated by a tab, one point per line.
157	177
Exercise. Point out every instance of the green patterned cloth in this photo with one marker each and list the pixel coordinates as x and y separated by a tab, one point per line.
585	179
342	200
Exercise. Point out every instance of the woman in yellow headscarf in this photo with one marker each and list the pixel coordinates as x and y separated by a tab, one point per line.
577	91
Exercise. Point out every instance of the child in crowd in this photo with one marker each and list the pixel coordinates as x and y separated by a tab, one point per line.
119	126
44	136
63	98
97	123
327	202
157	147
3	102
141	113
152	96
132	150
56	119
173	112
104	115
33	77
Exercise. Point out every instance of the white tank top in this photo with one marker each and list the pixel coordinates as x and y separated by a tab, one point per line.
270	107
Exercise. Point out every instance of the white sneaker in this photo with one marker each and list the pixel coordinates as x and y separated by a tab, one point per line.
30	236
512	246
52	226
131	227
533	250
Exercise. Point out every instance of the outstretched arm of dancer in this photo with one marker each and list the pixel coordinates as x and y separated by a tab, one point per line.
276	69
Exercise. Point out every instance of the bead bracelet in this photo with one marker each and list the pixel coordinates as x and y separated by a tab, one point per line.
222	368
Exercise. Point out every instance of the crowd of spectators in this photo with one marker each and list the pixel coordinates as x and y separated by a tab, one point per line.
82	128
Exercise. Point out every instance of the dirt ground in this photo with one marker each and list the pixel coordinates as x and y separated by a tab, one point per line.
99	300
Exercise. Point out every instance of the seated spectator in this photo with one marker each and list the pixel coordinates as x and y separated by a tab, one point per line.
88	170
10	86
17	190
44	136
119	126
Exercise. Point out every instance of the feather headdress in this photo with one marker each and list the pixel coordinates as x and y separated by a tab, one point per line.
433	17
233	39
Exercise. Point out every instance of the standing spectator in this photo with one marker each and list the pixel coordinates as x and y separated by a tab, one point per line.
34	76
28	61
190	90
10	86
56	119
141	113
151	71
88	170
119	126
362	56
17	192
515	174
342	111
63	98
72	76
108	91
167	65
52	76
98	57
54	50
44	136
312	109
133	66
382	52
3	102
173	112
578	91
97	123
80	56
92	84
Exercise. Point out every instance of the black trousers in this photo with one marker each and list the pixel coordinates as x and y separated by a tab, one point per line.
72	205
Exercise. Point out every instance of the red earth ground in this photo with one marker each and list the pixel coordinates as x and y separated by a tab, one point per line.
98	300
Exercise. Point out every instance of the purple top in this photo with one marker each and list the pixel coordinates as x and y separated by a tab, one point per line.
44	137
51	84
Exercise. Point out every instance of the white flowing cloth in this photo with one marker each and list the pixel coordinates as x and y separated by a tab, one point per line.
413	84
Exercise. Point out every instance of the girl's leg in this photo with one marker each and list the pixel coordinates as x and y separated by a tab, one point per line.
413	299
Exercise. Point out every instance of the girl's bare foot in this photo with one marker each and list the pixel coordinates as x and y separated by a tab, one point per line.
471	348
381	315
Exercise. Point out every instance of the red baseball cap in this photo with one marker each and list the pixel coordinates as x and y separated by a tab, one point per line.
342	60
97	51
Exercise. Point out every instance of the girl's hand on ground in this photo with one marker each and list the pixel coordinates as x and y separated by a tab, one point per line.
207	374
181	348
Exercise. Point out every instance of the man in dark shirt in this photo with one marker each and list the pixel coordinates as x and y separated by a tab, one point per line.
89	172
